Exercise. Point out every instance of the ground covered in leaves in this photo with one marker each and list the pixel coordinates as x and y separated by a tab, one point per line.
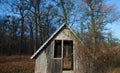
23	64
16	64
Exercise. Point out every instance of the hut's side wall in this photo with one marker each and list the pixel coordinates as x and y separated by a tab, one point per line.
41	63
78	54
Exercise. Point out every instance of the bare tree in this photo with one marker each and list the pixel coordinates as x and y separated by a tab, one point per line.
31	28
97	15
66	9
20	7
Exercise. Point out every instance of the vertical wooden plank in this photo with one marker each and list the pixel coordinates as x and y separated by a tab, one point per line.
49	52
41	63
57	66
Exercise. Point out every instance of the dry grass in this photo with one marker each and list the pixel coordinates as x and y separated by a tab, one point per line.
23	64
114	70
16	64
115	65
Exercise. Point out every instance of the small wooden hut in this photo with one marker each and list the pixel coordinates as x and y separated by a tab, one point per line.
59	54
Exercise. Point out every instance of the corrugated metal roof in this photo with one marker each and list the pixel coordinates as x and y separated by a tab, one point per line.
36	53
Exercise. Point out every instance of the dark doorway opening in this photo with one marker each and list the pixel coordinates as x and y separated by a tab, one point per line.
67	55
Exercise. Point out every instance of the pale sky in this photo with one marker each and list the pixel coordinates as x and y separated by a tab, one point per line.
115	27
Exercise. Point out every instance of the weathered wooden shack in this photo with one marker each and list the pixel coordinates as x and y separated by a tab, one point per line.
59	54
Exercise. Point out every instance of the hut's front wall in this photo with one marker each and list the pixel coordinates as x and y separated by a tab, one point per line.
66	34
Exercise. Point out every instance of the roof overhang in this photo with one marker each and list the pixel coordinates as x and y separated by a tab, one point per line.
53	35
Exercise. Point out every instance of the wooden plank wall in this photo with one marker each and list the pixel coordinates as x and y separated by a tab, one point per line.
45	63
56	66
41	63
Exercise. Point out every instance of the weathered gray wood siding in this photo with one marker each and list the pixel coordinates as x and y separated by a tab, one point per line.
46	63
56	66
41	63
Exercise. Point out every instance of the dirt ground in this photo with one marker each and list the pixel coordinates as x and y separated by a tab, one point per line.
16	64
23	64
